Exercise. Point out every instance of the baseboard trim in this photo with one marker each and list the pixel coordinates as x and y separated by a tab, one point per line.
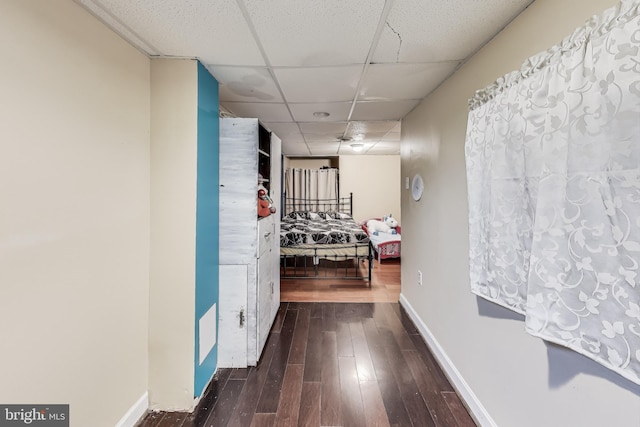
136	412
476	409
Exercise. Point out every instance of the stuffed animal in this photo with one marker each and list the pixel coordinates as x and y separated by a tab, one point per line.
263	204
387	225
266	197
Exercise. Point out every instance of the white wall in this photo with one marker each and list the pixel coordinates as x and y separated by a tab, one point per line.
375	183
74	212
521	380
174	114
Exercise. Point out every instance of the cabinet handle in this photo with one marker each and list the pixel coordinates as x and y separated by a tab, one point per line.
271	287
241	316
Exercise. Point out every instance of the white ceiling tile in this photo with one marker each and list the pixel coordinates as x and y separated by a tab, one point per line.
442	30
313	138
264	111
403	81
294	140
370	128
308	32
384	148
324	148
371	136
289	131
245	84
293	149
324	128
337	111
321	84
374	110
213	31
391	137
317	51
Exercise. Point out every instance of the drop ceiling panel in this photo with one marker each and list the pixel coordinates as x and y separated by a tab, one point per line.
213	31
309	32
442	30
264	111
382	110
314	56
337	111
337	128
367	128
244	84
384	148
391	137
403	81
292	149
312	138
285	130
322	84
324	148
371	136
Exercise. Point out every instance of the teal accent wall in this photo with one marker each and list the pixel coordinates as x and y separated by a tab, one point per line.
207	218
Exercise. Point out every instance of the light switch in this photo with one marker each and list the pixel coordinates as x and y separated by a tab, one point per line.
406	183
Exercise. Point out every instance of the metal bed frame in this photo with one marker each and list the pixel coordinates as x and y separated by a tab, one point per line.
307	266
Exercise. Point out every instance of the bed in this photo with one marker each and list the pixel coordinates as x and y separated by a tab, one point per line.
322	240
385	245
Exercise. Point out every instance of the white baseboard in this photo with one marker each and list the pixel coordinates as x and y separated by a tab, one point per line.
136	412
478	412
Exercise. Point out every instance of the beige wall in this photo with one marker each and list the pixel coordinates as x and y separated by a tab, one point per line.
375	183
74	212
519	379
309	163
174	102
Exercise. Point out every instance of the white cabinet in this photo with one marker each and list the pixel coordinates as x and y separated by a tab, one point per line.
249	247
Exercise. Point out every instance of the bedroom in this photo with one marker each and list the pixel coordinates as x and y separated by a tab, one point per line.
89	259
374	181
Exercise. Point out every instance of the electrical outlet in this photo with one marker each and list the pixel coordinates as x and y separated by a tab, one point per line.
419	277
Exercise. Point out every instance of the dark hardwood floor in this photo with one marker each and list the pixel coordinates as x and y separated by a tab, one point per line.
331	364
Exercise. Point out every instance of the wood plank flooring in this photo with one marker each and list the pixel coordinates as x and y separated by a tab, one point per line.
331	364
385	287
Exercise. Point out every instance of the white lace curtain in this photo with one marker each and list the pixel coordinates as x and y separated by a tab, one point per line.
311	189
553	170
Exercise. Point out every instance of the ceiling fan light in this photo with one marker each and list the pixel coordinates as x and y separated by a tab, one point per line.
357	147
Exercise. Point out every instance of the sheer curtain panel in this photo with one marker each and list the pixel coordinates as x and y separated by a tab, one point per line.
311	189
553	170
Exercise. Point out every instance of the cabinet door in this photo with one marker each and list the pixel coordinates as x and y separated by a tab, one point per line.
265	292
232	317
275	274
276	186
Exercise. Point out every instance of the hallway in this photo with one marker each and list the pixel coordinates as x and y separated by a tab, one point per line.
332	364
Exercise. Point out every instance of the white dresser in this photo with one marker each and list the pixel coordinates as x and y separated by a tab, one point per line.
249	247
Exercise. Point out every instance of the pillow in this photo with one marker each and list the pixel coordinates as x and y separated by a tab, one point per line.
297	215
317	215
338	215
